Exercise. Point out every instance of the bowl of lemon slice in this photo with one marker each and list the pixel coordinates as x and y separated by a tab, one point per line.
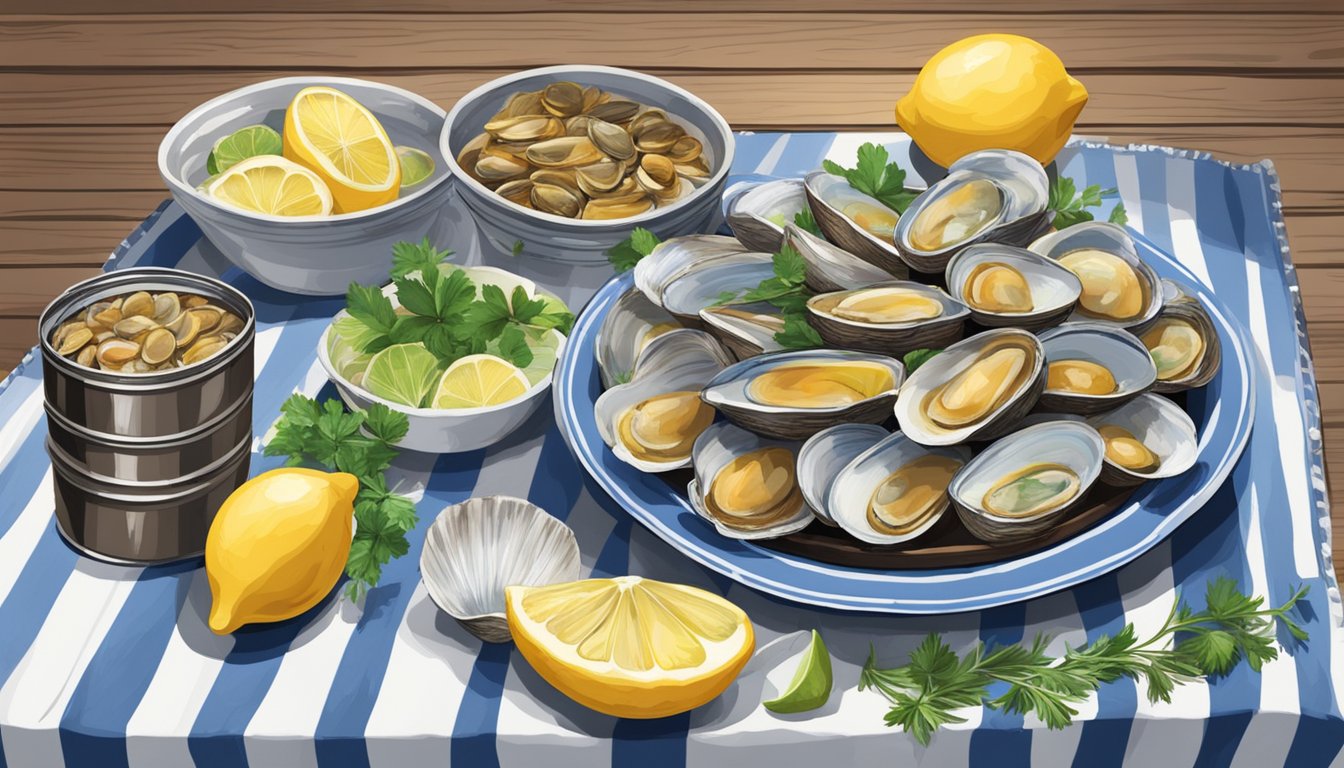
297	180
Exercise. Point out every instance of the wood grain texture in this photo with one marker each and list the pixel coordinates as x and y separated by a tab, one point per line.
699	7
659	41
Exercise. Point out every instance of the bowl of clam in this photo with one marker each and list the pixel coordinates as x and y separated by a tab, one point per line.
566	160
953	384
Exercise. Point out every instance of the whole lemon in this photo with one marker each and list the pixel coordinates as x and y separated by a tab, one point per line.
278	545
991	92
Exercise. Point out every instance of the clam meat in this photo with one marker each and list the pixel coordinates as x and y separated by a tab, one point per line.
1006	286
747	485
895	490
1118	288
889	318
144	332
1032	490
1083	377
1148	437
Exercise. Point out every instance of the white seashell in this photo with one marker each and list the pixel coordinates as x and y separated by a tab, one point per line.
475	549
629	326
716	447
1112	239
758	214
1117	350
1159	424
850	493
1054	289
676	256
825	454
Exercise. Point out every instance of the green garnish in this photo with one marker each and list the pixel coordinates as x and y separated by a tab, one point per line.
797	333
627	253
917	357
327	436
517	248
243	143
811	684
416	257
925	693
786	290
803	219
874	176
1070	206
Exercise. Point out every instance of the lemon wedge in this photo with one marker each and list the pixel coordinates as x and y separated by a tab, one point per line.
477	381
333	135
271	184
629	646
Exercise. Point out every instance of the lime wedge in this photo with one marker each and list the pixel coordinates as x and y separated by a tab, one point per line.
416	166
402	373
544	352
811	685
241	144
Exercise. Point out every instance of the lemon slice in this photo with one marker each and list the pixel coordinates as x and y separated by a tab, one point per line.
271	184
475	381
629	646
330	133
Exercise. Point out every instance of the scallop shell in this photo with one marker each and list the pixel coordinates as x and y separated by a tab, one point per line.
716	447
825	454
829	267
826	194
1119	351
1072	444
1022	215
728	392
1159	424
475	549
1054	289
849	495
942	367
1110	238
759	213
893	339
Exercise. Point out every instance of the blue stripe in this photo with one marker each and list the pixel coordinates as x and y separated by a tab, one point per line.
167	249
19	480
21	383
1000	739
750	150
558	478
29	603
474	731
1106	737
1316	742
803	154
339	735
659	743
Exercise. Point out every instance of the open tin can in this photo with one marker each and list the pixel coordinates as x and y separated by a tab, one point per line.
142	461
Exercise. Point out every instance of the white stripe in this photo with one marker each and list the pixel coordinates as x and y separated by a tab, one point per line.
36	694
1181	209
20	426
18	543
1127	182
1057	615
772	156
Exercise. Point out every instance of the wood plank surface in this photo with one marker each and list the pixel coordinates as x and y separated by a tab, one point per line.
697	7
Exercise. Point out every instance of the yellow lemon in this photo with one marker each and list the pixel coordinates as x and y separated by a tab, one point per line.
278	545
629	646
991	92
271	184
333	135
477	381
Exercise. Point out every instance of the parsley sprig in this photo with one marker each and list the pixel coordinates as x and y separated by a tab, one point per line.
785	290
361	442
877	176
1233	627
627	253
1070	206
804	220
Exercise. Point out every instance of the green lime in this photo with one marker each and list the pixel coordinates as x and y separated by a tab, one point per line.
241	144
416	166
544	352
402	373
811	685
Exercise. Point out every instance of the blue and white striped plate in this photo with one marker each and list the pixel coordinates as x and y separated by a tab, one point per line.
1222	413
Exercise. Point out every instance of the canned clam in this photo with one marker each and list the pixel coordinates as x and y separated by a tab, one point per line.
147	376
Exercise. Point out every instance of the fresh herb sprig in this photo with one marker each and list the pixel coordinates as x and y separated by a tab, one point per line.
804	220
877	176
627	253
917	357
925	693
361	442
1070	205
787	291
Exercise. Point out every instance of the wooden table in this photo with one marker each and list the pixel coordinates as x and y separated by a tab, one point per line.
85	96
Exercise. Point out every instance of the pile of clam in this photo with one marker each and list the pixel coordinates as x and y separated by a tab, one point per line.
584	153
1053	343
144	332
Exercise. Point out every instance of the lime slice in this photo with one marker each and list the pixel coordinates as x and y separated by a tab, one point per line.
416	166
241	144
346	358
545	348
811	685
402	373
477	381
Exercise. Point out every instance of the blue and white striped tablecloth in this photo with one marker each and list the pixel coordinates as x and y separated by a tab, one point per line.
104	665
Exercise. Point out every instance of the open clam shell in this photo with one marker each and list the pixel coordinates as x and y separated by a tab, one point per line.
1161	426
475	549
995	195
1099	252
1185	312
747	485
794	395
895	476
1006	402
631	323
854	221
676	256
1007	286
759	214
746	330
1027	482
826	453
707	283
1121	353
829	267
652	421
854	319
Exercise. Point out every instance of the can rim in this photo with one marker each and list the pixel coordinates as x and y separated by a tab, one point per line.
82	482
81	471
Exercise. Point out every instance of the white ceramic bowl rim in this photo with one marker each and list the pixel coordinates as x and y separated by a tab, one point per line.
456	171
179	127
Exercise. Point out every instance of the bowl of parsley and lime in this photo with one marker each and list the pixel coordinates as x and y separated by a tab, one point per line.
465	352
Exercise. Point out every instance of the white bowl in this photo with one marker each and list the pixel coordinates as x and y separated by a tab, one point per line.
579	240
310	254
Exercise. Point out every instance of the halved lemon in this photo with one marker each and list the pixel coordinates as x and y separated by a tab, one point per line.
330	133
475	381
271	184
630	646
